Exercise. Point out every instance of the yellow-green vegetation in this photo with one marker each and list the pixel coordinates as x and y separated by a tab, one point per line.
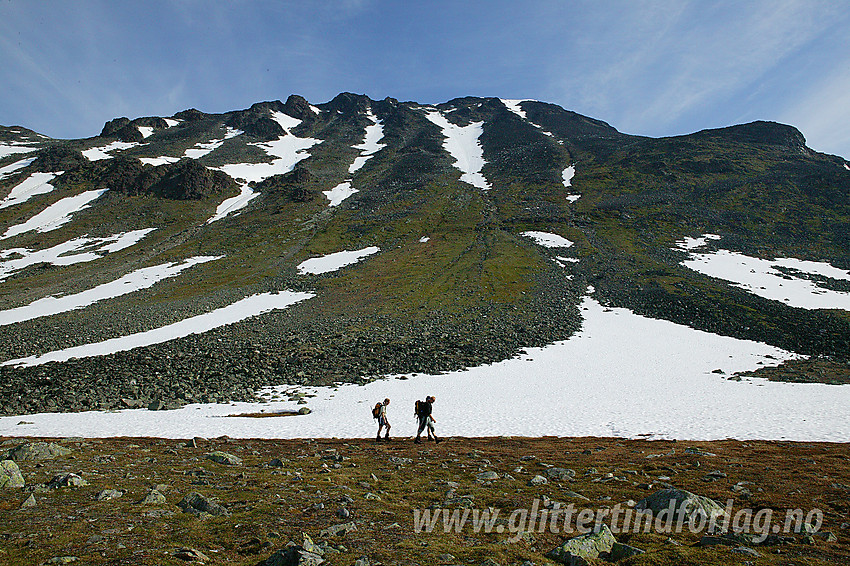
476	288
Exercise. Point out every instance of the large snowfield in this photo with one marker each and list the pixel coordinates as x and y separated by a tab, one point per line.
622	375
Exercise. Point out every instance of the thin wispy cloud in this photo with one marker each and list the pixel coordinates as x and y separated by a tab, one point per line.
647	67
665	64
823	113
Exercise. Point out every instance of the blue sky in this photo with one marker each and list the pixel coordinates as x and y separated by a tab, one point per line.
653	68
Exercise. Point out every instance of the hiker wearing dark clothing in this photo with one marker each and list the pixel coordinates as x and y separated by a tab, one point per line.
426	420
380	413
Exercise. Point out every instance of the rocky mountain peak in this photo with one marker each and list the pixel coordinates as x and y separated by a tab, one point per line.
349	103
298	107
762	133
190	115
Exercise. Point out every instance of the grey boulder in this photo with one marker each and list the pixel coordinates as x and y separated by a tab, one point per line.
577	551
10	474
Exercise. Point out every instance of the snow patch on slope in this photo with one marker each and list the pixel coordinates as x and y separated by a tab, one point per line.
248	307
781	279
286	121
103	151
287	151
156	161
568	175
11	148
514	106
146	131
371	142
548	240
334	261
55	215
462	143
339	193
35	184
135	281
197	151
371	145
9	170
201	149
78	250
688	243
232	204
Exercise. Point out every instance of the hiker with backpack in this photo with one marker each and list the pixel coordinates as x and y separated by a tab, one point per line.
426	421
380	413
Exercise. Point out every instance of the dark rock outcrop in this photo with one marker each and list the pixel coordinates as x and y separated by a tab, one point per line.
36	451
154	122
189	180
294	186
58	158
190	115
184	180
112	127
298	107
121	174
262	126
349	103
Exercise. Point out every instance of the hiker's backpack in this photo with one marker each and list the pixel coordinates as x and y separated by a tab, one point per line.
376	412
417	411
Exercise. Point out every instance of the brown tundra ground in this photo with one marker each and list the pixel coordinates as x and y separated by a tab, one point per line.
278	491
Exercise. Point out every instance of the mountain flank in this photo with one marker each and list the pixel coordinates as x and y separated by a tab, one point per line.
456	283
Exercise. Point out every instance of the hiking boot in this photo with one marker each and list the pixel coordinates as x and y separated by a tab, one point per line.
378	438
417	440
437	440
387	438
